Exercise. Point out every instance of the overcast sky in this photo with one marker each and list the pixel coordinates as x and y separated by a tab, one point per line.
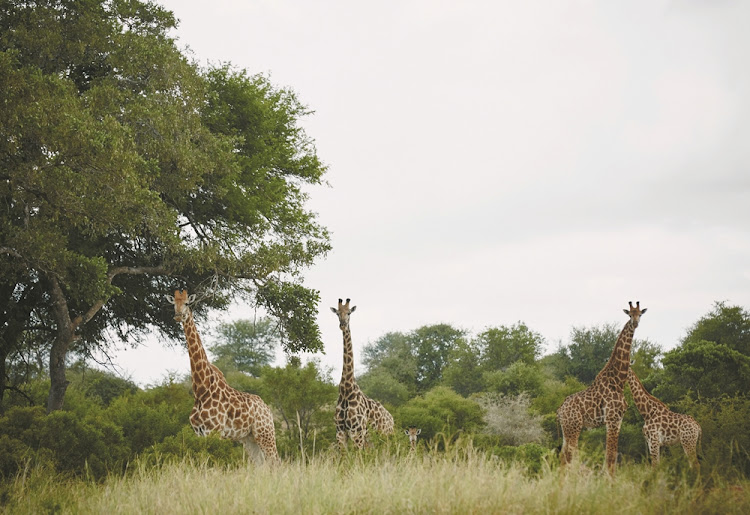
497	161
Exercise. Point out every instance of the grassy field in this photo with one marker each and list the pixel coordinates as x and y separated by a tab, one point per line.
377	482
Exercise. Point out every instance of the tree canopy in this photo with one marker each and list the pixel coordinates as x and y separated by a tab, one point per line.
128	171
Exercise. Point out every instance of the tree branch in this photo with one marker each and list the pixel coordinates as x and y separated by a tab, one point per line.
10	252
129	270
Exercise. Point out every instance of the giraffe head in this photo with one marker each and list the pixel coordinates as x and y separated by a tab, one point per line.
635	313
181	301
343	312
412	433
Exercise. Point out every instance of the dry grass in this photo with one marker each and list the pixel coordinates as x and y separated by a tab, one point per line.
378	482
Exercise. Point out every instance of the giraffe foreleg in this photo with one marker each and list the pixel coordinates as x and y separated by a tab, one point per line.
613	434
654	444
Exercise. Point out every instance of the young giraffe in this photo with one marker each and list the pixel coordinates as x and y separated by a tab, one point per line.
663	426
412	433
603	402
218	407
354	410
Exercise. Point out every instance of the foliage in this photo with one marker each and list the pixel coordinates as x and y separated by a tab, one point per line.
725	440
305	400
463	373
441	410
91	445
390	356
211	449
510	418
502	346
432	345
518	378
381	385
724	325
706	368
531	456
245	345
127	169
712	360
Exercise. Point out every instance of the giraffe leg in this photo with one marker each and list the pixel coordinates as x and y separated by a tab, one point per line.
569	447
360	439
341	438
571	425
689	445
653	448
613	433
266	442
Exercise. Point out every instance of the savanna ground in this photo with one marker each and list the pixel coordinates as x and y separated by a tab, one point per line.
389	479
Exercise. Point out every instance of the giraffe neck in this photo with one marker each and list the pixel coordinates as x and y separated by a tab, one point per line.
200	371
619	361
646	403
347	372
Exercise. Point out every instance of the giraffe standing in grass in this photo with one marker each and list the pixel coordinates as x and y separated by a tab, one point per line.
412	433
235	415
354	410
662	426
603	402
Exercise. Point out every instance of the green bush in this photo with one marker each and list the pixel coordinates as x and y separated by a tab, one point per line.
441	410
211	449
90	445
725	439
531	456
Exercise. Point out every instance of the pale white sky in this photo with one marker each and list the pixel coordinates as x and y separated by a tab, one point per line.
497	161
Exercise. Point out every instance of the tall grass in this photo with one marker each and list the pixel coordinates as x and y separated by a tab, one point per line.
386	480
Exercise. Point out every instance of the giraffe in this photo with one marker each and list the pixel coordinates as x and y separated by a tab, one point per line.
235	415
412	433
603	402
663	426
354	410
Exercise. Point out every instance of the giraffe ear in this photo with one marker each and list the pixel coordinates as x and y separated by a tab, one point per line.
626	311
353	309
170	298
334	310
643	310
419	431
191	299
406	432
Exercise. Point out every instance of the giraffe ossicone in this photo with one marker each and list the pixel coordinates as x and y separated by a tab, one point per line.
603	402
354	410
218	407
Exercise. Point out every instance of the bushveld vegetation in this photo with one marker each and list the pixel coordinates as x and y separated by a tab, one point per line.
114	445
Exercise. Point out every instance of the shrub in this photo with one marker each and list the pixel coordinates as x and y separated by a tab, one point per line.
531	456
212	449
510	418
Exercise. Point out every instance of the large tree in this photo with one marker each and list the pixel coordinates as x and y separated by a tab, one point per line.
127	171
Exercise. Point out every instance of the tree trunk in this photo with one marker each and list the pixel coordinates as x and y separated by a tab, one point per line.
63	338
58	382
3	357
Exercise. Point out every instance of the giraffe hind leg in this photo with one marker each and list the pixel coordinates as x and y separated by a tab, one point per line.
569	447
